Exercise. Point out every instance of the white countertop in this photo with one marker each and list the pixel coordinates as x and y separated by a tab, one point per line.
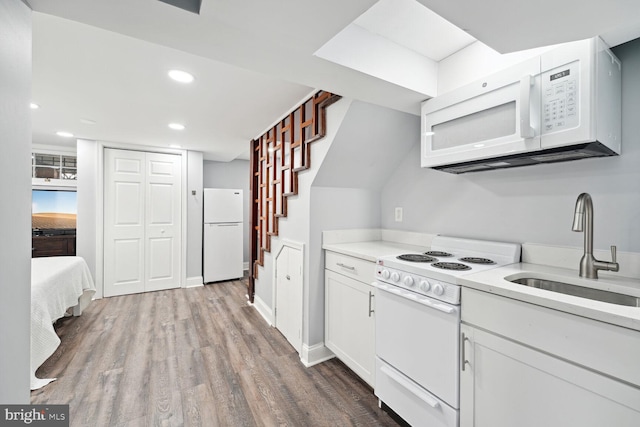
493	281
371	250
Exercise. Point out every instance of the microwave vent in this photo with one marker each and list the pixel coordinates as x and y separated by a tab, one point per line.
552	155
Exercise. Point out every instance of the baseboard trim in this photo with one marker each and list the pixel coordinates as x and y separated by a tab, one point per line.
193	282
317	353
264	310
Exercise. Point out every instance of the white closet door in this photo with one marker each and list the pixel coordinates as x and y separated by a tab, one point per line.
124	196
142	221
289	288
163	225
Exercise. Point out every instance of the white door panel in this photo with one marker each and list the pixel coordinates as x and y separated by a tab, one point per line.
160	202
160	259
123	222
162	212
126	271
288	315
142	221
128	209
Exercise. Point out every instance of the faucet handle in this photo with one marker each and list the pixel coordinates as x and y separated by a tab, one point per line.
613	253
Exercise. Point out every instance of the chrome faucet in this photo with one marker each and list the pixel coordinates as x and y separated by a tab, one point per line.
583	220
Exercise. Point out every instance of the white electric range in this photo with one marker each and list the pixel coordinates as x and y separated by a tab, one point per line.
418	325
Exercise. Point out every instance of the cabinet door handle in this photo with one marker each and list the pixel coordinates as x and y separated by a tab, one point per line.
463	357
409	386
370	297
348	267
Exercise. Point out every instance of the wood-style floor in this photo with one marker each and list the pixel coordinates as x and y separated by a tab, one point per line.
194	357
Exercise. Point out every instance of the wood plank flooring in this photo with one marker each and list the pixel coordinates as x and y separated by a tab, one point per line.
195	357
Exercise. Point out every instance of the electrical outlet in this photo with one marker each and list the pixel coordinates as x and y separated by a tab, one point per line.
398	214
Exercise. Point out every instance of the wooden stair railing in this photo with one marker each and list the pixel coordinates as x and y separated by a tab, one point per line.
276	159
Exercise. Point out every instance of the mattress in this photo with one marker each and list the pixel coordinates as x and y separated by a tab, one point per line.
57	283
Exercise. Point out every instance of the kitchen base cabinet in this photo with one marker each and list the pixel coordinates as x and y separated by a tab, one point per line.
349	323
506	383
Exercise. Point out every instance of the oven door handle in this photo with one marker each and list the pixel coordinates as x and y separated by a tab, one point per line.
420	300
415	390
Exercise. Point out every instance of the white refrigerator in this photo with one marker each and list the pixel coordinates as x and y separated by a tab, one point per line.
223	234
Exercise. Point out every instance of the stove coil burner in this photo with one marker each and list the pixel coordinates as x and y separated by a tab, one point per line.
438	254
416	258
451	266
475	260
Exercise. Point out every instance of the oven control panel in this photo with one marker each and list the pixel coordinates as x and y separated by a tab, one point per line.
434	288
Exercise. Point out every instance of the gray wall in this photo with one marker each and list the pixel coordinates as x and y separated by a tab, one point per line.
531	204
88	193
15	215
333	209
297	226
234	174
194	215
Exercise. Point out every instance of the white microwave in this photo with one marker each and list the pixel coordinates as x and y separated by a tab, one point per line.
564	104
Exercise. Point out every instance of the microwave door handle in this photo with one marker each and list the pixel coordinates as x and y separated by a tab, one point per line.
526	131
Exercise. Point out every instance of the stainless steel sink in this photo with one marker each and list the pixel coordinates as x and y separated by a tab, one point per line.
579	291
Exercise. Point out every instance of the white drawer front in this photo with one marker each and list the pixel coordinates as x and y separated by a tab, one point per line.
355	268
600	346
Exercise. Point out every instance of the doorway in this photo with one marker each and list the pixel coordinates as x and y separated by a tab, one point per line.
289	293
142	221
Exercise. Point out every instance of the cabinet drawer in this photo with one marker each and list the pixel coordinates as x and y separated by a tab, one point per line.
599	346
355	268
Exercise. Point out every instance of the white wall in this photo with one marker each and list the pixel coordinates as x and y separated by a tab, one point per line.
373	54
194	217
476	61
531	204
15	215
364	144
296	227
87	196
234	174
333	209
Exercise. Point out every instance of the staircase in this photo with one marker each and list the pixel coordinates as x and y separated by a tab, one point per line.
276	159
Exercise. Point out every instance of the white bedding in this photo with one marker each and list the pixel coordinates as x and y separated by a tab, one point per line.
57	283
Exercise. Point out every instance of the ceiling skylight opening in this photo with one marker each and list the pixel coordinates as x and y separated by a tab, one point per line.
64	134
181	76
176	126
192	6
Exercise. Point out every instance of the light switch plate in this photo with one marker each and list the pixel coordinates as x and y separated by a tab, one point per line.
398	214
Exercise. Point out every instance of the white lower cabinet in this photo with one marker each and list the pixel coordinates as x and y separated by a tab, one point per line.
349	321
505	383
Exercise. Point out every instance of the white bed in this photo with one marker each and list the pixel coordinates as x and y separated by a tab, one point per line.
57	284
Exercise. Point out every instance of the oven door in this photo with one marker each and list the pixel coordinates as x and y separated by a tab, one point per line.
419	337
493	117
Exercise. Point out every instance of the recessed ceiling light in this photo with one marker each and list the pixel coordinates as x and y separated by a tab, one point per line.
175	145
34	106
64	134
181	76
88	121
176	126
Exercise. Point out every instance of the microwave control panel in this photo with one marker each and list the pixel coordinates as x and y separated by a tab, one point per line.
560	106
